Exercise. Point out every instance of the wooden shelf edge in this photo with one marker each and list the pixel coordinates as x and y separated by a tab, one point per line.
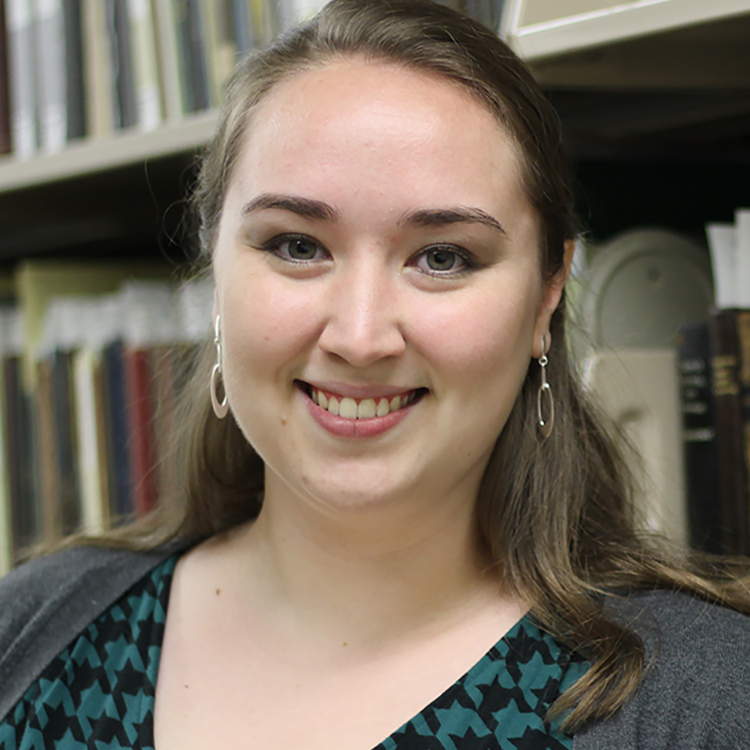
627	21
118	150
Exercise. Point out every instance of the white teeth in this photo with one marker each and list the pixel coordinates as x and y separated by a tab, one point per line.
366	409
348	408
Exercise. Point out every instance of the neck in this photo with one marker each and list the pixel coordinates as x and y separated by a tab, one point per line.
368	575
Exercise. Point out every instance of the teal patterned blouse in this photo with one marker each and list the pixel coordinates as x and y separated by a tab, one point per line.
98	694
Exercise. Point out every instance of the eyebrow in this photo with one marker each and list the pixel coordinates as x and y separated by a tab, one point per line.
441	217
309	208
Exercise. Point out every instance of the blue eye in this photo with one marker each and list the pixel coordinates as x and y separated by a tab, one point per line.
296	248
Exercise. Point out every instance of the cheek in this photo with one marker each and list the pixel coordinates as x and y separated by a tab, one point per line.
266	323
482	337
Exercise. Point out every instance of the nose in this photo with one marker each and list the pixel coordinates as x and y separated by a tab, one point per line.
363	323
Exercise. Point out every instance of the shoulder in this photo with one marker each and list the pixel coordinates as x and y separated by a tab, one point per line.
695	691
45	603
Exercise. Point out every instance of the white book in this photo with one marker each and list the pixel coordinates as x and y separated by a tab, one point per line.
50	43
145	64
722	245
742	240
195	304
22	63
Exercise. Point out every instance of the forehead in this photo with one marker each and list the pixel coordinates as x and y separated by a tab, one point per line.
382	126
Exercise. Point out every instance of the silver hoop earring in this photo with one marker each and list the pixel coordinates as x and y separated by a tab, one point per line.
545	423
221	408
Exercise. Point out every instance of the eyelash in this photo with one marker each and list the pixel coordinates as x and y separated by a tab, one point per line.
470	264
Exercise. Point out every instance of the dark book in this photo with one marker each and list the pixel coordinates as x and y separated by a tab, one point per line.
245	35
199	78
25	517
5	122
699	438
729	431
75	85
742	320
118	439
118	25
63	404
46	449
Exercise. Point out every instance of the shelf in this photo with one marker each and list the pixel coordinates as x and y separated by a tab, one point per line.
119	150
607	25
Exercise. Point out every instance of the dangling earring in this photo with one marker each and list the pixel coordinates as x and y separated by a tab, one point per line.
545	423
221	408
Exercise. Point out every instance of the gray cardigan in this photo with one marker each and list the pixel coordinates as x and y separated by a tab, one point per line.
695	695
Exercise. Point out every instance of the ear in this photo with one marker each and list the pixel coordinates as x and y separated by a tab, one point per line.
551	295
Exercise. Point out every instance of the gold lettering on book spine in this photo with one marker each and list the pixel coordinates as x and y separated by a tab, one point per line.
725	375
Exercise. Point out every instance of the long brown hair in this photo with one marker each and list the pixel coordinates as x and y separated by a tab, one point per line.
557	516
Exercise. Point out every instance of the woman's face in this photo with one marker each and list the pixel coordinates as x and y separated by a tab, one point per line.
376	258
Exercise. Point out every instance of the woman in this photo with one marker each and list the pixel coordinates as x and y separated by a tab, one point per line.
415	533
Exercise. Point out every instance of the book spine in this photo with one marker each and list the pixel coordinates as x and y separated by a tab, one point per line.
199	73
49	477
50	35
97	62
245	38
729	431
169	59
125	110
63	410
6	512
22	64
75	89
118	443
145	65
5	117
139	406
743	340
699	438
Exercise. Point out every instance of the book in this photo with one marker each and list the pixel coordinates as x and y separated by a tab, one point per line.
221	45
145	65
22	77
75	88
169	64
725	355
742	322
120	45
5	117
699	438
49	27
98	73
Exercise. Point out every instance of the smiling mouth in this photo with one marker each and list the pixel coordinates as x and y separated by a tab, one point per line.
360	408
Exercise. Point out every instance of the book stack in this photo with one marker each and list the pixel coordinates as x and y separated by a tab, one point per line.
72	69
714	364
93	358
